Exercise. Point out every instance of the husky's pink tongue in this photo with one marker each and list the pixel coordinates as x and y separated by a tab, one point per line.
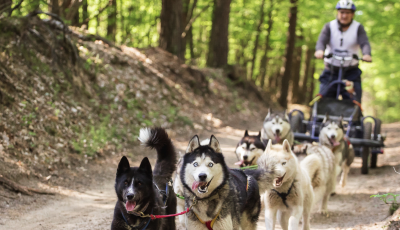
195	185
130	206
335	142
239	162
277	138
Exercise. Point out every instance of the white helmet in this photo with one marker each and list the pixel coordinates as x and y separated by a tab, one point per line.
346	4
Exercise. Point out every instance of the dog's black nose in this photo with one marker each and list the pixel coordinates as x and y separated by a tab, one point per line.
202	176
277	131
130	196
245	157
333	137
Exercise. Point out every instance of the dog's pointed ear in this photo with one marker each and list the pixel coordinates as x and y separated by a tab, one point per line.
259	134
214	144
145	166
286	146
286	115
194	143
268	115
326	118
269	147
341	121
123	166
246	133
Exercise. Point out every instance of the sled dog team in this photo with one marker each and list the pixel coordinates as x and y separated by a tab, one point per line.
206	194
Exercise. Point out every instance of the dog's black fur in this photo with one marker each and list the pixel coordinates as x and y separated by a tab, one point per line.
250	139
237	198
146	185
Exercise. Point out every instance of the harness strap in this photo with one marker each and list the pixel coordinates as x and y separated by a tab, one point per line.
209	224
143	225
283	196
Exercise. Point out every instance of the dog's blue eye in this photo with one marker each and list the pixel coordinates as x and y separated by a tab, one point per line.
210	165
195	164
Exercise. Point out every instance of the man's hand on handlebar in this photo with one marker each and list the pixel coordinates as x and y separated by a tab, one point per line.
319	54
367	58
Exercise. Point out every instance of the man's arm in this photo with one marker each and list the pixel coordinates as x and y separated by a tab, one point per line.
363	40
323	40
324	37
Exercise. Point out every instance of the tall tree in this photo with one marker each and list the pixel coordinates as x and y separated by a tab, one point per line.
258	32
170	32
307	73
264	60
290	43
296	73
85	14
218	43
112	20
55	7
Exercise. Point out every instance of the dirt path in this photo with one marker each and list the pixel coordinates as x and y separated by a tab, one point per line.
92	207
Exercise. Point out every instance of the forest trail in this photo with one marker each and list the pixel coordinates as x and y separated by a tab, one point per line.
92	208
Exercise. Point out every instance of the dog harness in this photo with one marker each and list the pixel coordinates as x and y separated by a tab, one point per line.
208	224
283	196
143	225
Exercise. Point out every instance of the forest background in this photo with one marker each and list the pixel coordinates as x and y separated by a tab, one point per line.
270	42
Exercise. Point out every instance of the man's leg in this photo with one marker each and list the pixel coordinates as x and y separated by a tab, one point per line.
354	75
326	78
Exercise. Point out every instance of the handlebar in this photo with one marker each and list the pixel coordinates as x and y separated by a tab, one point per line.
340	58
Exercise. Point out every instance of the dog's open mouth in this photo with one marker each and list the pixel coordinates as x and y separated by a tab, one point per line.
279	181
243	163
201	186
277	138
334	142
130	206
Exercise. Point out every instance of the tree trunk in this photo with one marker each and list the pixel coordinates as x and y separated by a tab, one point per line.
307	74
5	5
255	48
265	59
191	46
312	84
85	14
171	28
218	43
296	74
55	7
112	20
291	39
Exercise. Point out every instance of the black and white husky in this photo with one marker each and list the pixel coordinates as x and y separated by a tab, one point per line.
332	136
221	198
276	127
249	149
141	190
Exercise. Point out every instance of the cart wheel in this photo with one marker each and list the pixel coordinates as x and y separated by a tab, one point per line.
374	156
296	123
366	150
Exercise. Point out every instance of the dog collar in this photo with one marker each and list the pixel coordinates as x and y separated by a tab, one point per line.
283	196
143	224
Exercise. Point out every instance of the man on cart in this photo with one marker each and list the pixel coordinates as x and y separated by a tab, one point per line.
343	37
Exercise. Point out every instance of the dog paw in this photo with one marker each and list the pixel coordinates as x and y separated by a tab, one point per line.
343	184
325	213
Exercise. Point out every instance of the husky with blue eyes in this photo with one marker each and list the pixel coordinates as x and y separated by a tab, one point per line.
221	198
276	127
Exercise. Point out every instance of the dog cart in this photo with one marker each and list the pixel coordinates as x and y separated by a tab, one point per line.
363	132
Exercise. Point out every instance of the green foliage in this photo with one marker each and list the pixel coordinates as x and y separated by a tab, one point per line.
394	205
138	22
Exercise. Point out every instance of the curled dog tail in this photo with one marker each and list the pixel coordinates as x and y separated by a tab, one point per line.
157	138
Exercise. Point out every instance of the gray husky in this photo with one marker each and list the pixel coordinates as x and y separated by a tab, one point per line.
221	198
249	149
332	136
276	127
